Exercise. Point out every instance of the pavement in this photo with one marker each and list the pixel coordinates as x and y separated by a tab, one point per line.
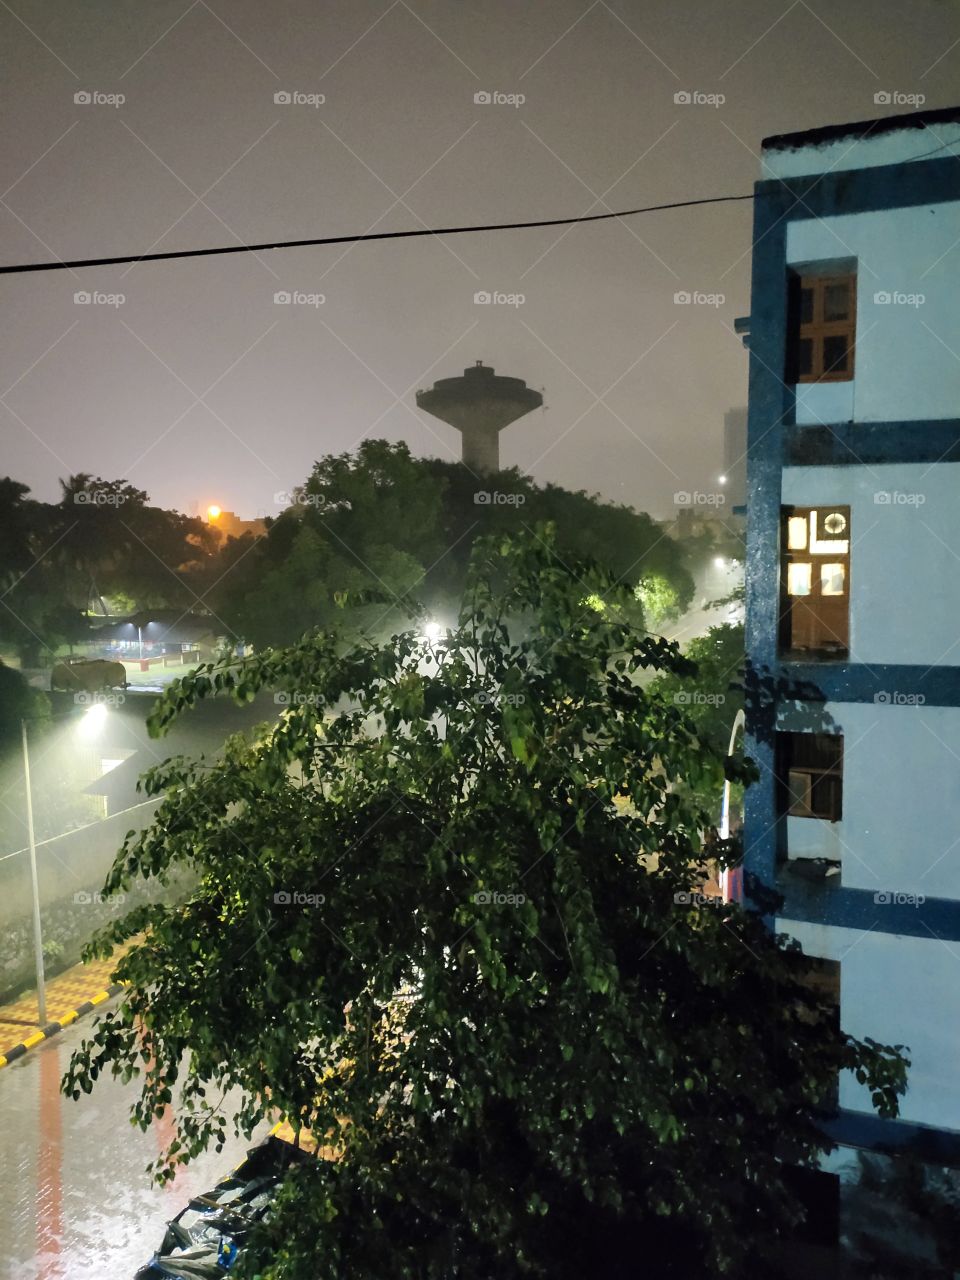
76	1202
74	993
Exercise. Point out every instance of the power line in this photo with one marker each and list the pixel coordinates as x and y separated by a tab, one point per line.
120	260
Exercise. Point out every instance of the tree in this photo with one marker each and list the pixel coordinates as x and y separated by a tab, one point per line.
111	541
383	522
18	702
424	927
34	616
710	694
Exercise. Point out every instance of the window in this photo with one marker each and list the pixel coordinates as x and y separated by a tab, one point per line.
815	578
818	1005
810	773
821	327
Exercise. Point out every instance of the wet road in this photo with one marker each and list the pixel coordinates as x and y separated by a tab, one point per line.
75	1203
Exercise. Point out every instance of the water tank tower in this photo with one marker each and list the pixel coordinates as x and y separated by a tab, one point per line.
479	405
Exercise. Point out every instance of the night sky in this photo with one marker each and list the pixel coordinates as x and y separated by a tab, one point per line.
200	388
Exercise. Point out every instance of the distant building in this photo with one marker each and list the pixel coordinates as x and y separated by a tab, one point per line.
229	525
853	618
735	457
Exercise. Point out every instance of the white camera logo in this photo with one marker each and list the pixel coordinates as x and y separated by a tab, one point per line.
484	298
684	298
86	98
484	98
297	298
684	98
887	98
286	98
82	298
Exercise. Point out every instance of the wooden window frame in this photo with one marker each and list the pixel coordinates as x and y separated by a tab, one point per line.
817	328
813	772
828	644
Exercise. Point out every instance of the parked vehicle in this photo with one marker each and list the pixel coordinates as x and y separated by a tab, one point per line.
205	1239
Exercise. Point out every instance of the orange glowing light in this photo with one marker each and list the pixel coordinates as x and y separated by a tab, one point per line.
213	512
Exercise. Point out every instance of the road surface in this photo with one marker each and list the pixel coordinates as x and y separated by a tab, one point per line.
75	1202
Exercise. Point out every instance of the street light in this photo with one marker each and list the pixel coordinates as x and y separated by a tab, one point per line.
90	724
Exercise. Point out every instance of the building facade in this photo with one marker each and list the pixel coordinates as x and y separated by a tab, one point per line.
853	601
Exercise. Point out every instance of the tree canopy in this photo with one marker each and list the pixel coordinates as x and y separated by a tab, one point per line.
102	540
380	521
446	916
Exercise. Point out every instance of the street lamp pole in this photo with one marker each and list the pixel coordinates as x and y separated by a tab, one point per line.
35	884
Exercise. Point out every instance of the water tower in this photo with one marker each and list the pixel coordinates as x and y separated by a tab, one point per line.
479	405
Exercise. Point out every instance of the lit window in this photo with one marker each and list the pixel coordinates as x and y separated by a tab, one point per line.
798	578
827	523
815	576
797	533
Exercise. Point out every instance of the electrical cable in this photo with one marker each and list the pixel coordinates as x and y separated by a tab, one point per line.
123	259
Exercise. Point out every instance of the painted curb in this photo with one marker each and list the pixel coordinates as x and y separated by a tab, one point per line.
51	1029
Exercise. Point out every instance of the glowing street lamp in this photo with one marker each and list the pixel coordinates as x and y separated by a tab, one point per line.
90	725
214	512
93	720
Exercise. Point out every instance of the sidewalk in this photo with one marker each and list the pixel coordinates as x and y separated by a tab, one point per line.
69	996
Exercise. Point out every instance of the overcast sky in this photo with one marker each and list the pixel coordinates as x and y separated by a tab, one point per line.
200	388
